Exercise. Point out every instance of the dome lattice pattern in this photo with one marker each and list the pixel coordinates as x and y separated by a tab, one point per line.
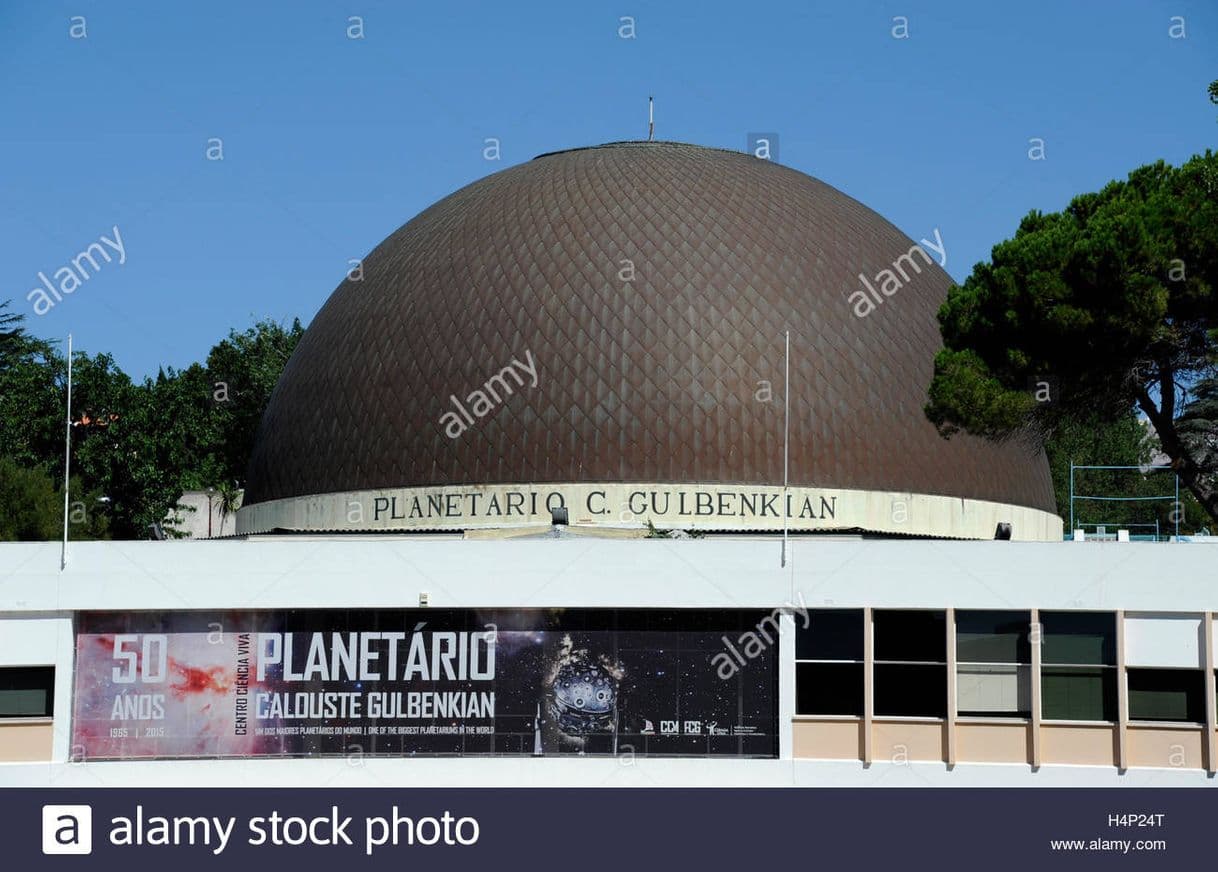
661	378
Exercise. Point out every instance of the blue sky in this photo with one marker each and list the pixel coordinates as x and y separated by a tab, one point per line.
331	143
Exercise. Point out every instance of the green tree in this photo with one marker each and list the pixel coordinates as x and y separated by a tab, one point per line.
1090	441
228	499
1126	441
89	514
1113	302
135	447
11	330
1198	427
31	397
30	507
244	369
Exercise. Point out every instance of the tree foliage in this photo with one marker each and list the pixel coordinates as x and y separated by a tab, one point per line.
1126	441
244	369
30	507
1112	303
135	447
1198	425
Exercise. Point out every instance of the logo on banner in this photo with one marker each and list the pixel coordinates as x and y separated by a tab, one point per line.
669	728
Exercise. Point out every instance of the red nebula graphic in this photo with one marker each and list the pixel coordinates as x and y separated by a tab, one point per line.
116	713
195	679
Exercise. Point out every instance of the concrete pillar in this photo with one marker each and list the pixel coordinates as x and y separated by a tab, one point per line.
1037	639
951	687
1122	695
868	683
1211	719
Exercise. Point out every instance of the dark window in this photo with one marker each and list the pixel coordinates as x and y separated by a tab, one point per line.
1079	638
916	690
993	637
904	636
1078	693
831	634
829	689
832	684
1167	695
27	691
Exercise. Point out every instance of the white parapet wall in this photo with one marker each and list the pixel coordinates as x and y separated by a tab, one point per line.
1161	590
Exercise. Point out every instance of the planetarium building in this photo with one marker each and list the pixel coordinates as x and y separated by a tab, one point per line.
603	329
516	515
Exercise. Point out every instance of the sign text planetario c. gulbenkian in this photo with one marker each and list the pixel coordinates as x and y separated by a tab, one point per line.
694	506
524	504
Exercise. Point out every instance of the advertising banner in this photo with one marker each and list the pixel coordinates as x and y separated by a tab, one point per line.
424	681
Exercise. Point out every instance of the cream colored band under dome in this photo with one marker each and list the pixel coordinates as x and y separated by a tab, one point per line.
709	507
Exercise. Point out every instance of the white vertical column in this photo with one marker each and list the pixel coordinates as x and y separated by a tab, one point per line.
65	675
1037	640
1122	695
786	685
951	687
1211	718
868	683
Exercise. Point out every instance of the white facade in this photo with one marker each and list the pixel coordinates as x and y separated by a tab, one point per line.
1168	591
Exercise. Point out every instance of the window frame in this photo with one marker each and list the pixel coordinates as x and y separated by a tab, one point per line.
49	709
941	665
1197	673
1110	673
1023	668
816	661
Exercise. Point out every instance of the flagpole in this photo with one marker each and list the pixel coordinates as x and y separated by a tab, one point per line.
67	460
786	425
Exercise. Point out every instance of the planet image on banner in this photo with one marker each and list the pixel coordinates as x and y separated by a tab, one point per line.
582	694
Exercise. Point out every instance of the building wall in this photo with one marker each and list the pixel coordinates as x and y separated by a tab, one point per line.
38	639
26	740
191	516
1163	624
1140	714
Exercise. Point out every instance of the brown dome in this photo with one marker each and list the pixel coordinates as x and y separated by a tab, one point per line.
661	378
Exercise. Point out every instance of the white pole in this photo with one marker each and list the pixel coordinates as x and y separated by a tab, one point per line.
786	426
651	119
67	460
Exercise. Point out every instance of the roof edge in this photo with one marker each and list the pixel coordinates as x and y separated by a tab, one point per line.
642	143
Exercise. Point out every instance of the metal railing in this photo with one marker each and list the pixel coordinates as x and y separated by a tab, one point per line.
1175	498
